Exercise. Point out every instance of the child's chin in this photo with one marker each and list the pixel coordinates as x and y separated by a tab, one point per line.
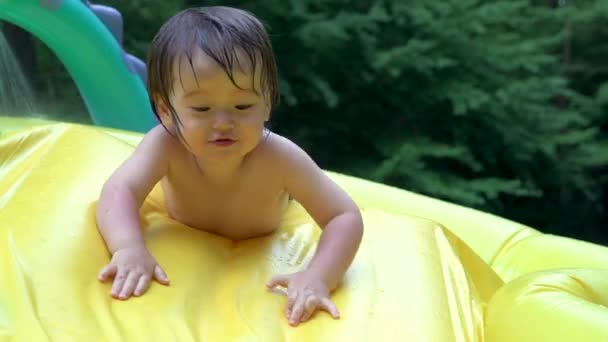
219	156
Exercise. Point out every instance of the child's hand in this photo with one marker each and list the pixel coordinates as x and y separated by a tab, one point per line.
132	269
306	293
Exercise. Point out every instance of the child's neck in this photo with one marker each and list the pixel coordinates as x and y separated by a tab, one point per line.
220	172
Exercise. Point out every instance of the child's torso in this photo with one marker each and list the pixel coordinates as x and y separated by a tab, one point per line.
250	206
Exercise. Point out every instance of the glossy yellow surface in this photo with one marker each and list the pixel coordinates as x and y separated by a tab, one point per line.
415	277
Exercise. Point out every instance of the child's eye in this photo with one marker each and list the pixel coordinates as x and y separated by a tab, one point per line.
243	107
200	109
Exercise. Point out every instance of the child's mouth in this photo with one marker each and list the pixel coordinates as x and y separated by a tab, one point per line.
223	142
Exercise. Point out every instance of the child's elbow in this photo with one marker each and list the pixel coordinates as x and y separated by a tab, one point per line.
355	212
355	223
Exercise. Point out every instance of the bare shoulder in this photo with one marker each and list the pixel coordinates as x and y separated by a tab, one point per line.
148	163
159	143
306	182
279	149
157	148
286	158
159	137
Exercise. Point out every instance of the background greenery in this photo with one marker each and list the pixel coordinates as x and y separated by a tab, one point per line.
497	105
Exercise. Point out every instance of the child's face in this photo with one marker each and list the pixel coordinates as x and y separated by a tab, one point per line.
218	119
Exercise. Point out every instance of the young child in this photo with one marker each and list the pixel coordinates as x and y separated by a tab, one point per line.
212	81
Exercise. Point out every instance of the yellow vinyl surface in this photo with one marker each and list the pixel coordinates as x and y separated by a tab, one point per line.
426	270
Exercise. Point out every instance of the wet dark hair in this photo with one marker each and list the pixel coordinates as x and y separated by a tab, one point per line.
225	34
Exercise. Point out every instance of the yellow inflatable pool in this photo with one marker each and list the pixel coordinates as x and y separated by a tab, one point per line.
427	270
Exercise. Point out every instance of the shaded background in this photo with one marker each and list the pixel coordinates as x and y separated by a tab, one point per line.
497	105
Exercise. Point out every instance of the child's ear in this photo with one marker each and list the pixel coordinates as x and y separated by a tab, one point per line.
163	111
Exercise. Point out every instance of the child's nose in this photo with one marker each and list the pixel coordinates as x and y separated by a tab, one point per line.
223	121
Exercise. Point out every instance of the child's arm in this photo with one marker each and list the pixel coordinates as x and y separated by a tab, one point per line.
339	217
131	266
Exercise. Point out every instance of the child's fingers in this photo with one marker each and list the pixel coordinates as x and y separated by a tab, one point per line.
310	306
278	280
119	280
142	285
330	307
160	275
306	315
296	311
129	285
107	272
292	296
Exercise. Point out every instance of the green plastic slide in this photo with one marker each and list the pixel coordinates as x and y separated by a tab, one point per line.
115	96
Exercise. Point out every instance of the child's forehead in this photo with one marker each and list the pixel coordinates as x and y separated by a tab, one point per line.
200	63
197	67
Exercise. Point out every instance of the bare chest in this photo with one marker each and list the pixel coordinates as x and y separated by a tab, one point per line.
251	207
